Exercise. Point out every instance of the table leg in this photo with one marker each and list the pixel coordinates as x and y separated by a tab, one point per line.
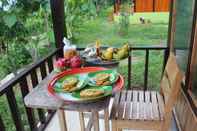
82	123
96	120
62	120
106	119
90	123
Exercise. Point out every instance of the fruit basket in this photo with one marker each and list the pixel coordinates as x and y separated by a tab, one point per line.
101	63
77	95
105	56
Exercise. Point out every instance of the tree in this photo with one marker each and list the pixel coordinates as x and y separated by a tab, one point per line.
16	29
17	57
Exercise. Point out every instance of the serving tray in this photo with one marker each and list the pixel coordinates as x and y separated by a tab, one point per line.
68	97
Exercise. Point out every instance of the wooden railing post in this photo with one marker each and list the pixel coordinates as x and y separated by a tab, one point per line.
29	111
2	127
14	110
34	80
147	50
129	68
43	70
50	64
146	70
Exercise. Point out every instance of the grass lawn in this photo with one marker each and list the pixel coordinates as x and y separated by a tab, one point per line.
138	34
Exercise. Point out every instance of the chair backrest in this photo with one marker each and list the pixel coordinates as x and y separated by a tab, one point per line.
171	83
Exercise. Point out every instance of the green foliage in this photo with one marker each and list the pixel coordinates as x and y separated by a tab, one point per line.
38	47
15	15
76	12
10	20
19	21
11	27
17	57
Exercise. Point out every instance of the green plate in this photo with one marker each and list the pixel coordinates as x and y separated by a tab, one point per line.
113	78
83	80
106	89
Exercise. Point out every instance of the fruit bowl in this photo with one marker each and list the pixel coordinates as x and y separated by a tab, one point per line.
105	56
101	63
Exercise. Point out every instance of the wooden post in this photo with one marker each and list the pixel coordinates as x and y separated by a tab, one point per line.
117	6
192	62
154	10
171	25
115	10
59	28
171	30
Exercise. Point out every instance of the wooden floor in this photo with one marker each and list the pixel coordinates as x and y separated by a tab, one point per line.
72	119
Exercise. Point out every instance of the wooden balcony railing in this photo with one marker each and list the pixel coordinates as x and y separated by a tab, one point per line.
146	51
24	82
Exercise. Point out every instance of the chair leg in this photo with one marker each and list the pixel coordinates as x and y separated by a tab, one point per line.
62	120
113	122
96	120
106	119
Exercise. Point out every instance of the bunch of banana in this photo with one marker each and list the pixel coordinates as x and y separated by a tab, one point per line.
121	53
116	53
108	54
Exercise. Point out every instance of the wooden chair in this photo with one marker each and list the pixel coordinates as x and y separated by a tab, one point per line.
149	110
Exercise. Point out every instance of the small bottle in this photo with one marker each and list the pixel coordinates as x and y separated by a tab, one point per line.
69	50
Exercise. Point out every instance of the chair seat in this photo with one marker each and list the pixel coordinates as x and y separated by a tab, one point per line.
138	105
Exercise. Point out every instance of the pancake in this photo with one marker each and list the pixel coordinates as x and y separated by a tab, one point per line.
91	93
102	77
69	83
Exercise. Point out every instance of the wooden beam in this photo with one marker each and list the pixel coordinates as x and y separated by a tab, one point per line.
192	62
172	24
191	65
59	28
